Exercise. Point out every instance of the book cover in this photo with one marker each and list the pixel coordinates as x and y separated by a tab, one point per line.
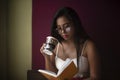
67	71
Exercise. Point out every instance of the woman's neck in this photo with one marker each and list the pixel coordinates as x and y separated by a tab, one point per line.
69	49
69	43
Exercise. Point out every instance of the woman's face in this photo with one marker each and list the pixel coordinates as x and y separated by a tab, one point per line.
65	28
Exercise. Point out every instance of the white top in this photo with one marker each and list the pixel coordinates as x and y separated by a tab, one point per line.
83	63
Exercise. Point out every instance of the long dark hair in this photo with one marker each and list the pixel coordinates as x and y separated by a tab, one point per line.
79	34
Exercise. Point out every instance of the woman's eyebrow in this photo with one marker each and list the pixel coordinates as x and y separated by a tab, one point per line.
64	24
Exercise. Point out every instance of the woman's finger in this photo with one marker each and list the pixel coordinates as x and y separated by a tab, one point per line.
42	48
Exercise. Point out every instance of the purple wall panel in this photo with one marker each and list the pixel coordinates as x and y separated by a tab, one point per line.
100	19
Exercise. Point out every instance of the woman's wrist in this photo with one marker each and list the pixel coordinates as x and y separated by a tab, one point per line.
47	57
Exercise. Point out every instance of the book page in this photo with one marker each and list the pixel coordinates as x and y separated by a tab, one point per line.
48	72
67	71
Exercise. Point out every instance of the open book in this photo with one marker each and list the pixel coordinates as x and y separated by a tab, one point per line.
67	71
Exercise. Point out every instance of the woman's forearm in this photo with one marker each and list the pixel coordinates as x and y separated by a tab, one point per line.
49	65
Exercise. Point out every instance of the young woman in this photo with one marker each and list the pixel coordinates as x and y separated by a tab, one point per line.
74	44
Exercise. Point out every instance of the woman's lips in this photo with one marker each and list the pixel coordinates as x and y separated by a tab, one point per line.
65	36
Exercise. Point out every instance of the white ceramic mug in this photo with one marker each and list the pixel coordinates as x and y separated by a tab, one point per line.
51	43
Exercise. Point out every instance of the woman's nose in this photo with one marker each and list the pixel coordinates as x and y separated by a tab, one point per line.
63	31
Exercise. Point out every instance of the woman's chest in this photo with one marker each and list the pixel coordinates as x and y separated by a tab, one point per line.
67	52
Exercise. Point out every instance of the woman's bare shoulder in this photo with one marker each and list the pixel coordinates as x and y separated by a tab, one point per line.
90	43
90	47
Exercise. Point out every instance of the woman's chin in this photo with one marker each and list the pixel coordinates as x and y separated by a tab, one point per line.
66	39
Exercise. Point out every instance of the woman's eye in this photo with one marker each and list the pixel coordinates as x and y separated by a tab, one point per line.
59	28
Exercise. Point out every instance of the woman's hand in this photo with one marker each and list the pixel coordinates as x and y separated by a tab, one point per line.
42	48
43	53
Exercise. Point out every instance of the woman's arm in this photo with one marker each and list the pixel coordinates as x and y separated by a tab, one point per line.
93	59
49	60
50	63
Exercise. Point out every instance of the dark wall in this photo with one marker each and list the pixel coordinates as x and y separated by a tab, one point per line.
101	20
3	39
